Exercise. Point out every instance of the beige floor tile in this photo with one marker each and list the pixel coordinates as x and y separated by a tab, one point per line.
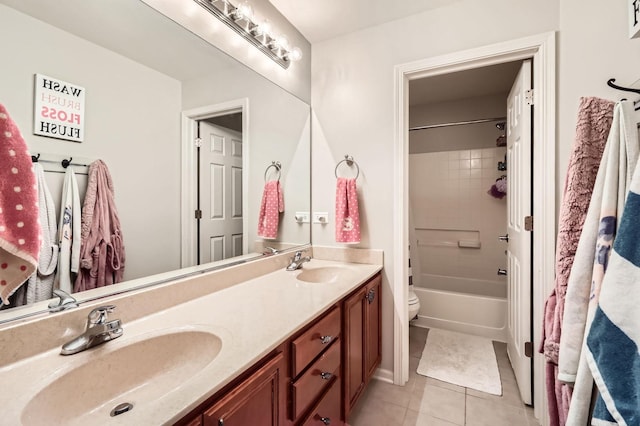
510	395
398	395
439	402
482	412
415	418
376	412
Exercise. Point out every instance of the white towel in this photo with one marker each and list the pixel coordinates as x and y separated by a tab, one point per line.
614	336
69	232
40	284
592	255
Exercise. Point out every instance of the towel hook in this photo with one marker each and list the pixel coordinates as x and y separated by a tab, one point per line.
65	162
278	167
350	162
35	158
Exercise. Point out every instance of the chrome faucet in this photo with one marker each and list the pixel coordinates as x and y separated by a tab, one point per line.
98	331
297	260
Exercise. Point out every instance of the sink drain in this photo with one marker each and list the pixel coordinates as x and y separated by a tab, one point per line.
121	409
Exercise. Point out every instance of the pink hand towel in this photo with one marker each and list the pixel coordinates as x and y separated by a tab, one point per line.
19	228
270	208
347	214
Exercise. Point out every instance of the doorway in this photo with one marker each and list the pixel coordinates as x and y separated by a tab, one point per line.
215	146
541	50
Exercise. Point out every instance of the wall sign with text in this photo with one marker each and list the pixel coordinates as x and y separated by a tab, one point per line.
634	18
58	109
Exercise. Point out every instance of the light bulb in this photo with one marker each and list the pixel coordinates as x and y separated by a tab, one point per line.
281	43
294	55
245	11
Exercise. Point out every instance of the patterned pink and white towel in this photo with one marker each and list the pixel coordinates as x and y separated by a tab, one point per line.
19	228
347	213
270	208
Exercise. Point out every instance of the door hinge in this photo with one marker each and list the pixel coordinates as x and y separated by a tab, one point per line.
528	223
198	214
528	349
197	142
528	97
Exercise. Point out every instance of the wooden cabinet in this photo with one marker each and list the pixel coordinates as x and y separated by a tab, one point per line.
257	401
361	340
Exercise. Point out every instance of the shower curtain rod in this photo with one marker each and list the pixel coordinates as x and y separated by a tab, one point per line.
458	123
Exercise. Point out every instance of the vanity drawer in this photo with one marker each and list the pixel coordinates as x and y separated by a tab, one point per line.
315	340
327	411
316	379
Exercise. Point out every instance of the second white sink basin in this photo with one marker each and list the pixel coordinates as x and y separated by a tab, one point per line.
141	371
323	274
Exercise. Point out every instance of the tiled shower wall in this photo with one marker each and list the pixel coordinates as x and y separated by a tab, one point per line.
450	206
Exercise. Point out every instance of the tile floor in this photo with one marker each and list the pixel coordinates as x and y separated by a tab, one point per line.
424	401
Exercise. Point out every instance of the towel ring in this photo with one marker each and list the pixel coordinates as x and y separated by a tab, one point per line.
277	166
350	162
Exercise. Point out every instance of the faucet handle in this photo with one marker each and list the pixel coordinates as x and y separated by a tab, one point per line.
297	256
99	315
66	301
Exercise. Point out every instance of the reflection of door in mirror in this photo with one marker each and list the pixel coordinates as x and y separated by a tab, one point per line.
220	234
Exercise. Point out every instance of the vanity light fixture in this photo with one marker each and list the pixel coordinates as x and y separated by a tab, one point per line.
241	19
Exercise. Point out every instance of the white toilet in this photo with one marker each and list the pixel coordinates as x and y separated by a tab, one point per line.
414	303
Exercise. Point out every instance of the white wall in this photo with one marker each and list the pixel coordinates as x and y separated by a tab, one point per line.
473	136
593	47
353	106
142	157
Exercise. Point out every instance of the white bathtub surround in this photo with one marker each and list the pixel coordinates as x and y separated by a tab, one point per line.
465	313
462	360
250	308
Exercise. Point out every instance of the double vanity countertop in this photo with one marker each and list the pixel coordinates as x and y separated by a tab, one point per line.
170	361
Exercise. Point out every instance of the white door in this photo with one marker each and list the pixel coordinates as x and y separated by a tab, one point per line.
519	245
220	193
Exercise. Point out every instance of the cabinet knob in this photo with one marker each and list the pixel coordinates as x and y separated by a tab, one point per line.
502	272
326	339
325	375
325	420
371	295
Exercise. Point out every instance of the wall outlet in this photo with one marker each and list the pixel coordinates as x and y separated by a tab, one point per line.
321	217
302	217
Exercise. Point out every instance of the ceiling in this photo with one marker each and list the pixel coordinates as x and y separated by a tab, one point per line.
320	20
489	80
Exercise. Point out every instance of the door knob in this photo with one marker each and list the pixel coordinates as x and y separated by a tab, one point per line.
502	272
504	238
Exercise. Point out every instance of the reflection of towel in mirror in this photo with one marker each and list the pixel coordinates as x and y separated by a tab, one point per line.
19	229
69	232
271	206
347	213
102	249
40	284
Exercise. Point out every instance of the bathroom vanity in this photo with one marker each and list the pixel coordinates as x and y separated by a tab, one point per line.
249	344
302	381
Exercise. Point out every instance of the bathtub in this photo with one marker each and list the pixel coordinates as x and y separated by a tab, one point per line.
478	315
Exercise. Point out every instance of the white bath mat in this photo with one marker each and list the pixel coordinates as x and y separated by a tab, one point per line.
461	359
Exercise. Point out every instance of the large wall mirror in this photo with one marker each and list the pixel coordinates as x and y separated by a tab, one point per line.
168	113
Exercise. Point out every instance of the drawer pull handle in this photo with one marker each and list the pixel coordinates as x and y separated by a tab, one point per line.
325	376
325	420
326	339
371	295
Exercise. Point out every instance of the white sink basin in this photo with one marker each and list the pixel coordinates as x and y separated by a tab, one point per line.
141	371
323	274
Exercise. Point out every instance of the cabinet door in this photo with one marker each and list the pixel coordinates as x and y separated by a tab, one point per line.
372	350
353	335
258	401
